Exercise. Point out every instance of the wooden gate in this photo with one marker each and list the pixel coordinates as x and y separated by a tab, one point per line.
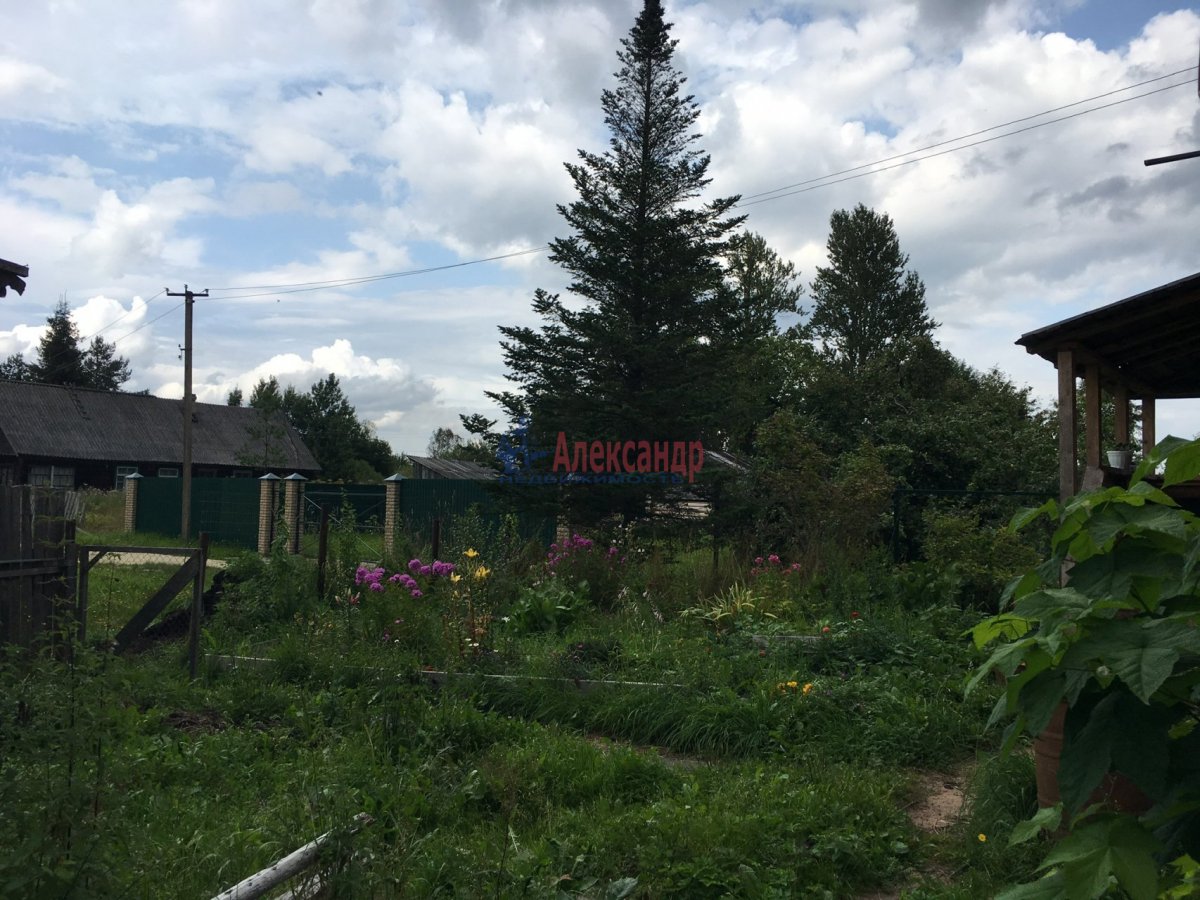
37	564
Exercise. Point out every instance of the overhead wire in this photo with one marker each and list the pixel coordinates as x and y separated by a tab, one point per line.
832	178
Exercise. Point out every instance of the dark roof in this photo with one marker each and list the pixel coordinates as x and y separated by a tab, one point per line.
50	421
454	468
11	276
1151	341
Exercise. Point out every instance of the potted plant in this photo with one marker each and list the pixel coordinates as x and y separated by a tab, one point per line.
1121	456
1105	633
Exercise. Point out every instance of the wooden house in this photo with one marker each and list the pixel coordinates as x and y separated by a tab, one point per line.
76	437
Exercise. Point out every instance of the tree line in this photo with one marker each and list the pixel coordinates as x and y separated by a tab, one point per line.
62	359
678	323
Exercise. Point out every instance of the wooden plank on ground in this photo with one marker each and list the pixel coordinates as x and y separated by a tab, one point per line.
157	603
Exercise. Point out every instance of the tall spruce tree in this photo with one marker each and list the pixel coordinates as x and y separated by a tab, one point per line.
633	362
62	361
864	301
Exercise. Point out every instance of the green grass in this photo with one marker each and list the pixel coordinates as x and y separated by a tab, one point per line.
119	777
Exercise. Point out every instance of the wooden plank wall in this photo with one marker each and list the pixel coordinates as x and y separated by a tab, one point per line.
36	581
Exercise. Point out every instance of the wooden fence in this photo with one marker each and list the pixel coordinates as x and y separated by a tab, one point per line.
37	564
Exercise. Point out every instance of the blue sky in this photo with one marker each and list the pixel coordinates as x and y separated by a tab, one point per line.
233	143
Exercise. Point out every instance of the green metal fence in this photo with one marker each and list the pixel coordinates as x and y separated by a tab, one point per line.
423	500
226	508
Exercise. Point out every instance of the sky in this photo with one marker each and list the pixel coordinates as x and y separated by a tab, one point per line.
261	149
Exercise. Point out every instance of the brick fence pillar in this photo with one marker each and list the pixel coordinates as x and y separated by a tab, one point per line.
131	501
391	511
293	509
268	502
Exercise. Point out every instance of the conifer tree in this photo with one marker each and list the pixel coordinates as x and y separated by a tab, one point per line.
635	359
864	301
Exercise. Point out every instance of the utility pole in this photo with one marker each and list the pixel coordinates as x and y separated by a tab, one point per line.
189	402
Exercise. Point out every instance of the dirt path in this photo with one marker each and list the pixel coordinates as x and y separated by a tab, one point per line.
164	559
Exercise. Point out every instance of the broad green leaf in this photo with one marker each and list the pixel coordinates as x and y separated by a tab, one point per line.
1183	464
1087	752
1048	818
1133	862
1155	456
1051	887
1040	697
1003	626
1024	516
1140	745
1085	859
1144	669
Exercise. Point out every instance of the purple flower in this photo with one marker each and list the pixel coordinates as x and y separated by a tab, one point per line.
416	592
414	565
395	579
773	559
376	586
758	560
426	570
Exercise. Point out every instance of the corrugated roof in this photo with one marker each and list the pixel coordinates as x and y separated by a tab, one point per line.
44	420
454	468
1150	341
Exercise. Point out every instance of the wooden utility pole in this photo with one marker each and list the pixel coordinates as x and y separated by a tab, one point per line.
189	402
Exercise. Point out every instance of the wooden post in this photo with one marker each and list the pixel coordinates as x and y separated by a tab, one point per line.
1066	424
1148	436
1091	415
1121	422
197	607
322	551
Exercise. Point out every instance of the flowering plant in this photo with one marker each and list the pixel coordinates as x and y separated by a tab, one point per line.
385	601
583	564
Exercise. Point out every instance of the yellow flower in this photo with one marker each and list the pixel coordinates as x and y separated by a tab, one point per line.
455	578
793	684
808	688
471	553
483	572
983	838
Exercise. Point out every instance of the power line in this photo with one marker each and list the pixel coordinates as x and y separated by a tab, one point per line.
908	162
810	184
963	137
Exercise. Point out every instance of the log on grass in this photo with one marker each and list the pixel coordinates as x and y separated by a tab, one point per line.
287	868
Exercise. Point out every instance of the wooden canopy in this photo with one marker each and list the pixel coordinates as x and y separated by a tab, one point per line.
1143	347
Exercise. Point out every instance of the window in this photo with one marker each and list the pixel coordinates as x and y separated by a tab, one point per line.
164	472
124	472
52	476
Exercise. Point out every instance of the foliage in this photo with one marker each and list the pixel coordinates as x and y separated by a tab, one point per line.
548	605
729	610
346	448
864	302
62	361
598	572
983	559
1118	644
644	258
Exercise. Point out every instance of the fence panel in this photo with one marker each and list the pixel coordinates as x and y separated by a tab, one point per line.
423	500
36	557
367	501
225	508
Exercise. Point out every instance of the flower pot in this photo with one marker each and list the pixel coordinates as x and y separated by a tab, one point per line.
1120	459
1115	790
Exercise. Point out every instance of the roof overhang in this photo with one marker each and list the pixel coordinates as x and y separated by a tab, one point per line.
12	275
1150	342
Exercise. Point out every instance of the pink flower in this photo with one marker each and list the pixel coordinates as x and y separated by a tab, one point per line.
773	559
758	560
416	592
414	565
376	586
426	570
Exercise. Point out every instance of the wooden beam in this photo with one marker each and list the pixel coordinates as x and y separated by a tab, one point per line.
1121	423
1148	437
1066	424
157	603
1091	415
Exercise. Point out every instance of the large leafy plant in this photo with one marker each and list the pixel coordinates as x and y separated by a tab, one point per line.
1109	624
